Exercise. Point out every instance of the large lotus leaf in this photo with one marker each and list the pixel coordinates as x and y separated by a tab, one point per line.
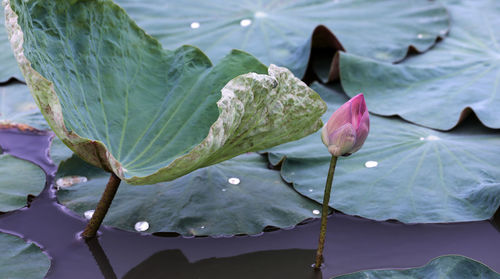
237	196
281	32
445	267
123	103
18	179
21	260
18	107
8	65
435	89
403	171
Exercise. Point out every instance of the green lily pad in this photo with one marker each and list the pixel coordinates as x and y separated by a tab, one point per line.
8	64
21	260
280	32
18	107
123	103
436	89
18	179
403	171
444	267
238	196
59	151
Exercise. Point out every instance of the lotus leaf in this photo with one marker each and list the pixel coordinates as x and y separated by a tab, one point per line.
439	88
8	65
18	107
21	260
284	32
125	104
452	266
18	179
238	196
419	175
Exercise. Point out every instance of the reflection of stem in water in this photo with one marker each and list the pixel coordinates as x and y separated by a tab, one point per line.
324	213
102	207
100	258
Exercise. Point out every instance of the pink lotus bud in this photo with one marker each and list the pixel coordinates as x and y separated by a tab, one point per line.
347	129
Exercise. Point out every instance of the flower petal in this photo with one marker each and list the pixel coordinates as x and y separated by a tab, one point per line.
358	108
340	117
362	131
341	141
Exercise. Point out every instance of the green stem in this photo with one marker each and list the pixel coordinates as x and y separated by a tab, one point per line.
324	213
102	207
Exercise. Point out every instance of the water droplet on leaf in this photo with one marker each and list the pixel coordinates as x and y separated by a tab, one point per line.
245	22
234	180
195	25
68	181
88	214
141	226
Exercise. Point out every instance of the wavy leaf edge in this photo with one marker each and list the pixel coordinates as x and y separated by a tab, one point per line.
427	265
96	153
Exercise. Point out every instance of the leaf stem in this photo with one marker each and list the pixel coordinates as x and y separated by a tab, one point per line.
324	213
102	207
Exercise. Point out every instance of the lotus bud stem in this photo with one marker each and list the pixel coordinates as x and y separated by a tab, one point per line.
324	213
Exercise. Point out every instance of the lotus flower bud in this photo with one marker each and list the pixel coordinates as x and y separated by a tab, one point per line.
347	129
